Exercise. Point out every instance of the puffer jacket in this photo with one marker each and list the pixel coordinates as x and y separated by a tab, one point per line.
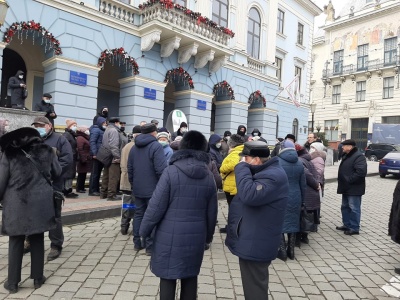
351	174
318	160
294	169
146	163
311	198
183	209
256	213
96	136
227	170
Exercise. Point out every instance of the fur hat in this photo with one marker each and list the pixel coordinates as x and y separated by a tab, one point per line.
17	135
320	147
254	149
70	122
163	135
148	128
194	140
349	142
235	140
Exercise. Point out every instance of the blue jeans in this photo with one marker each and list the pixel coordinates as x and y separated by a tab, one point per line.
141	206
351	212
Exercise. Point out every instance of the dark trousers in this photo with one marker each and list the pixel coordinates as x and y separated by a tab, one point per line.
188	289
80	182
127	212
141	206
109	183
255	279
16	252
56	235
94	181
229	197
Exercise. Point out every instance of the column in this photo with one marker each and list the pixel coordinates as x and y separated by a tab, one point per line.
141	99
73	97
229	115
197	108
265	120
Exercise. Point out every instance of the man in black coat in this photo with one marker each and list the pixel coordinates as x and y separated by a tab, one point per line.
65	159
102	113
47	107
16	89
351	184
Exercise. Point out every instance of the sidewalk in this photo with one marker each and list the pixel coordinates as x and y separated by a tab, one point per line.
86	208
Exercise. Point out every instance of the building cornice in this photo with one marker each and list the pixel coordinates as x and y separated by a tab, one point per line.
194	93
142	79
310	6
65	60
345	21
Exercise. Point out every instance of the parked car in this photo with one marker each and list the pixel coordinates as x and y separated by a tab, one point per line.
375	152
390	164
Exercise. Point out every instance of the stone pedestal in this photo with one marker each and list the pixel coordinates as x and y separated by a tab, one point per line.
265	120
18	118
134	107
229	115
198	118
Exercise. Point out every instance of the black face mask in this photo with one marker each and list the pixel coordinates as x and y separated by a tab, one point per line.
122	129
241	133
104	113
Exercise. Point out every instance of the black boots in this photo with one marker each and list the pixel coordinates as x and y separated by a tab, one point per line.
297	243
304	238
282	249
291	242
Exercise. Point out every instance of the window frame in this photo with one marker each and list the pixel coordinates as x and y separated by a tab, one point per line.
279	64
362	57
298	70
253	35
388	90
336	93
217	18
300	33
331	134
390	51
361	88
280	21
338	61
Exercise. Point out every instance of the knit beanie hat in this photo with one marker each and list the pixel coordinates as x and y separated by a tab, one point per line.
162	135
318	146
83	128
287	144
70	122
235	140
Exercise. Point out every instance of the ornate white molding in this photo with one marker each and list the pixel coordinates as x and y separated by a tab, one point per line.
149	38
186	52
217	63
203	58
66	60
169	45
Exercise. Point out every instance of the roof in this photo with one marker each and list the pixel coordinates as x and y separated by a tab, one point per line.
357	5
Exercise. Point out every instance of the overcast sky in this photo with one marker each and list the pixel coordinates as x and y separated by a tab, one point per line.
337	4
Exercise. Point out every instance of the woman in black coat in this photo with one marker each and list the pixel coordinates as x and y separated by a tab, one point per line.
394	219
69	175
183	210
24	189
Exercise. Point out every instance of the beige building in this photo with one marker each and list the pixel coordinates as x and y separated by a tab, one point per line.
355	77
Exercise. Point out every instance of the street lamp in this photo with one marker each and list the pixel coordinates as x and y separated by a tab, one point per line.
313	107
3	11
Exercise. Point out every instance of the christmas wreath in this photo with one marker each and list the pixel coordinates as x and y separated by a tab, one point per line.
118	54
257	96
19	28
179	74
168	4
225	88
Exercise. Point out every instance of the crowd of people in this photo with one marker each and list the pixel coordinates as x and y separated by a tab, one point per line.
171	180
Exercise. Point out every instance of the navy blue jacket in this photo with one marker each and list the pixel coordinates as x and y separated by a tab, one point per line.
216	154
294	170
183	209
96	136
256	213
146	162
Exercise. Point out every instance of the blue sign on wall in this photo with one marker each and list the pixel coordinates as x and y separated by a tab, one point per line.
77	78
150	94
202	105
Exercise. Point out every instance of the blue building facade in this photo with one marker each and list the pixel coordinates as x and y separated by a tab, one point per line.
144	60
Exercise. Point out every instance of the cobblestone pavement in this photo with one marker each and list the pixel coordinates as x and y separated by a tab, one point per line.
99	263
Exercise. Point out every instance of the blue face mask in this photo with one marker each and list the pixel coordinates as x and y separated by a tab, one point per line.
42	131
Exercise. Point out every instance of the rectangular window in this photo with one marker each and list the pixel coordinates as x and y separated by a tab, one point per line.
362	57
336	90
388	87
391	120
360	91
331	130
390	51
278	63
297	71
338	62
281	20
300	32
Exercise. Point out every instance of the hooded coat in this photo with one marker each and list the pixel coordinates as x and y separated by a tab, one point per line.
311	198
351	173
96	136
394	219
100	114
215	153
26	196
17	92
294	169
240	132
256	133
183	210
256	213
84	164
146	163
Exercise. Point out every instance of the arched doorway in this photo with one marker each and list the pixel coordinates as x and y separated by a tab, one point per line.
108	89
12	62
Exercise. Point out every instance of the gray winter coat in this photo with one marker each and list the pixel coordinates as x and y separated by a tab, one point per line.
114	140
26	196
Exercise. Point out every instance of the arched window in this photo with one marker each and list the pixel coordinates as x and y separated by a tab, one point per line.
220	12
181	2
295	128
254	33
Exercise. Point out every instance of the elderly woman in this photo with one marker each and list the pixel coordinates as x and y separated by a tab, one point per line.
183	212
318	157
84	164
294	169
26	167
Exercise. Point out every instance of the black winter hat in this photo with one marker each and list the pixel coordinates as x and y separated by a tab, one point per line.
291	136
227	133
137	129
194	140
148	128
254	149
183	124
236	140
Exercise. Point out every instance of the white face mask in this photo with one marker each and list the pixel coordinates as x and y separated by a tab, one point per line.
87	132
228	138
312	150
73	128
218	145
255	133
47	101
183	129
21	76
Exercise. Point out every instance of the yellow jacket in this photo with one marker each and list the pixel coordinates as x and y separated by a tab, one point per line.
227	170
